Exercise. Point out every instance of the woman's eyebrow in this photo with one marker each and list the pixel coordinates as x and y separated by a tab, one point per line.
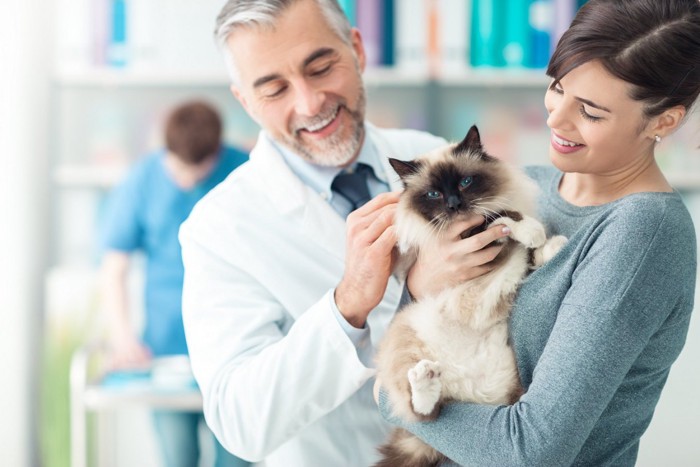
592	104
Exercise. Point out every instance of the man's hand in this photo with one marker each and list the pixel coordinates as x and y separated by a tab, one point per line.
369	258
128	352
454	260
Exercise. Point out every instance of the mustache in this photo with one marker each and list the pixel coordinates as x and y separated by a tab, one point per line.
301	123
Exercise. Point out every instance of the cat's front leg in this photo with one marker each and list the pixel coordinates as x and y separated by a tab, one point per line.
528	231
426	387
548	250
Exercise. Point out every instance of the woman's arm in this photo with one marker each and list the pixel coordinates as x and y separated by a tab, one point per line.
626	283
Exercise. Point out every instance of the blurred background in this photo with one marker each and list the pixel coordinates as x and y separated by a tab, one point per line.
84	88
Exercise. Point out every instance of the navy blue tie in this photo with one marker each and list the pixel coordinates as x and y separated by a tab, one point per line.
353	185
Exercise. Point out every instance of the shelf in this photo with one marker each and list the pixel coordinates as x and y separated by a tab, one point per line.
374	77
107	177
112	77
97	397
88	177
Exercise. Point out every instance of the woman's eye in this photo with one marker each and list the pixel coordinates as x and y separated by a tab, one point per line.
433	195
466	181
587	116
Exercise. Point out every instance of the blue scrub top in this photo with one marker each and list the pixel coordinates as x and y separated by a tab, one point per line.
144	213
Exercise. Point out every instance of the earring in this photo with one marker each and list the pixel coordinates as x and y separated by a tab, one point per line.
657	138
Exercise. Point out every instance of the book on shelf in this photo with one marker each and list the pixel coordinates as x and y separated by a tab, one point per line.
370	20
453	28
541	22
411	35
350	9
420	37
517	33
516	47
563	13
117	52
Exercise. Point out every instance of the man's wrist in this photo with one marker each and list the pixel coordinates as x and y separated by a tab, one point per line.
343	305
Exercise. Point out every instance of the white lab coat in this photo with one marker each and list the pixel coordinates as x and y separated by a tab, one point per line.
280	379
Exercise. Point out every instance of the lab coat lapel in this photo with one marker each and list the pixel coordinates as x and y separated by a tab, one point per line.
296	201
385	151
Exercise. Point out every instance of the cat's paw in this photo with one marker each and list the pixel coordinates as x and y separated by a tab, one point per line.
549	249
424	379
528	231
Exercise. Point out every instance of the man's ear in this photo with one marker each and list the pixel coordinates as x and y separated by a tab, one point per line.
240	97
359	48
666	123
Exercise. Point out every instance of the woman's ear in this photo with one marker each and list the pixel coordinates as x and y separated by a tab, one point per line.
666	123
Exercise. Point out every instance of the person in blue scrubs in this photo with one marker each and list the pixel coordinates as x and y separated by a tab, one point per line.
143	215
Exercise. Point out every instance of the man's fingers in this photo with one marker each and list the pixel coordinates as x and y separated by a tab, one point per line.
376	203
383	219
387	240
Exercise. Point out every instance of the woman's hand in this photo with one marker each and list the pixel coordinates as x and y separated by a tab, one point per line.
454	259
377	387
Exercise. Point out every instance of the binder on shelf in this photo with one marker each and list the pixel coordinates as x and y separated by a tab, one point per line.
540	20
73	45
486	33
411	35
564	11
388	33
117	51
453	30
370	20
350	9
516	46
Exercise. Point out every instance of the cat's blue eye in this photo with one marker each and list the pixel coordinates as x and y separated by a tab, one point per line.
433	195
466	182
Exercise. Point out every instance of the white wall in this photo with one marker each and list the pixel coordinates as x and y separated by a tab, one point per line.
672	437
23	211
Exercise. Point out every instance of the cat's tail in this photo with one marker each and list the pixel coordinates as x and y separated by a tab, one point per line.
405	450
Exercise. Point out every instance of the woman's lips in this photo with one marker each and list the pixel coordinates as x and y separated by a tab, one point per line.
565	146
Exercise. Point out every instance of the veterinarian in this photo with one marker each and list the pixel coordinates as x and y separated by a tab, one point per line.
284	298
143	215
596	329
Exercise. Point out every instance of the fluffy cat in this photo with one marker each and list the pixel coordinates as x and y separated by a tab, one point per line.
454	346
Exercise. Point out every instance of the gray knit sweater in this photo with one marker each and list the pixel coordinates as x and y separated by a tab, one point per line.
595	332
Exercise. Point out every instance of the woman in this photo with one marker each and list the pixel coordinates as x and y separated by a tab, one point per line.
596	329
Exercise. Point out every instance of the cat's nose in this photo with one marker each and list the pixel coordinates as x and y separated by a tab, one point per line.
453	202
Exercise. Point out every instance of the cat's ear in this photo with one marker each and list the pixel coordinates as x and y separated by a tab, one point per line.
471	142
404	168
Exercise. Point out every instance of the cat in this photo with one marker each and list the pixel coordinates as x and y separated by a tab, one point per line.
455	346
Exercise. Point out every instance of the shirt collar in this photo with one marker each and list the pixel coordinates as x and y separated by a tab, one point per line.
320	178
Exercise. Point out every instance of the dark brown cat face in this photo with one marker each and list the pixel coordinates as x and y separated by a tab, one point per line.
460	180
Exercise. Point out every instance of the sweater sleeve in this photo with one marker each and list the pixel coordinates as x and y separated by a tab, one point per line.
624	288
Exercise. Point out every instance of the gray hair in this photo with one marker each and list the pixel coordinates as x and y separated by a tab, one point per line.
264	13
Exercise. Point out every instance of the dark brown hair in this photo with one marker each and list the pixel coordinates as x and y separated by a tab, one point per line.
652	44
193	132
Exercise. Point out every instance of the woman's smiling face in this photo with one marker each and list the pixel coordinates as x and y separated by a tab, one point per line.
597	128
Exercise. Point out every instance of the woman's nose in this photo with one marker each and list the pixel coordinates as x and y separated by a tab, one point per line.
558	117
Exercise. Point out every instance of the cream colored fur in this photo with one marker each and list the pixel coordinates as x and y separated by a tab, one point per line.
454	346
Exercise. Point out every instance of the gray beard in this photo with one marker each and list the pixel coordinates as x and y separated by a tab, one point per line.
337	151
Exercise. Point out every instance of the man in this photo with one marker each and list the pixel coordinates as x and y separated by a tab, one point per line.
282	314
144	214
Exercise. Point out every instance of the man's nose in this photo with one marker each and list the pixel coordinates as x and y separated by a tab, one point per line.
308	100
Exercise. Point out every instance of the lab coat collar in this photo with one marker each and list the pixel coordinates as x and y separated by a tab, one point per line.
292	198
